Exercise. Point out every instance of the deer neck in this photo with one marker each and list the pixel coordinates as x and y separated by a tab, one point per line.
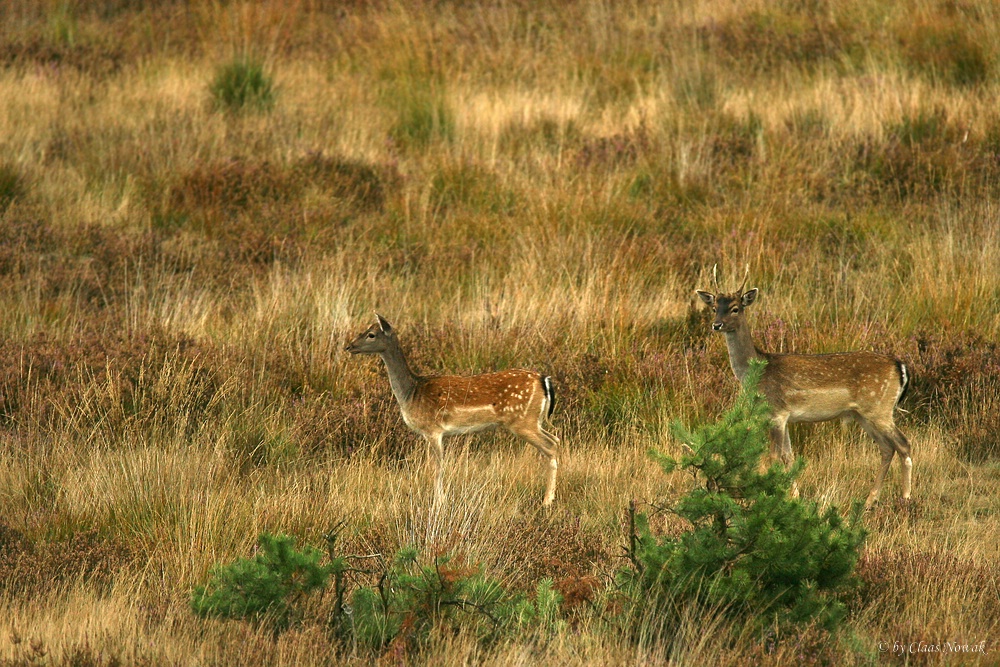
401	378
741	349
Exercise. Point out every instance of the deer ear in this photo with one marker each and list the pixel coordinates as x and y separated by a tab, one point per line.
749	297
707	297
383	324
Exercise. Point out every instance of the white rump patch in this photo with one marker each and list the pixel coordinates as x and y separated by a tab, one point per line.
902	385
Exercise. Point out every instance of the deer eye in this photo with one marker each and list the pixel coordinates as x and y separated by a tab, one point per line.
735	311
371	335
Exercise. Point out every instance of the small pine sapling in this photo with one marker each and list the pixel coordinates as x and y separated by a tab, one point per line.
750	549
410	599
264	588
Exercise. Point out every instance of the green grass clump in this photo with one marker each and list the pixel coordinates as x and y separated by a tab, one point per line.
63	23
777	38
544	135
929	153
471	187
943	50
11	184
422	113
242	84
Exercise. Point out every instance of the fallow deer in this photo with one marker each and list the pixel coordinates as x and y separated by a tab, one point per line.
518	400
817	387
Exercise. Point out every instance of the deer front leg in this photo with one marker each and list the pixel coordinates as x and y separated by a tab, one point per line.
777	434
435	455
887	453
781	447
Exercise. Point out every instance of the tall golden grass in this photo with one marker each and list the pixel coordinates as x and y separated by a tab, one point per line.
511	184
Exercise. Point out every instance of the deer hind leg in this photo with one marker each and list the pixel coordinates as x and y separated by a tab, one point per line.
902	447
547	444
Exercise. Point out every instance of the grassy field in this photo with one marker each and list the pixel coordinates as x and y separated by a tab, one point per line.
511	184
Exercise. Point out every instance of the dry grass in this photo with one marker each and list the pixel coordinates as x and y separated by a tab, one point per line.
511	184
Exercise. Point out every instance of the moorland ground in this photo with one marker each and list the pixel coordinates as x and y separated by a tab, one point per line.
540	185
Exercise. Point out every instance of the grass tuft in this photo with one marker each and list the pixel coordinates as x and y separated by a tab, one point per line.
780	37
12	184
242	85
422	115
943	49
471	187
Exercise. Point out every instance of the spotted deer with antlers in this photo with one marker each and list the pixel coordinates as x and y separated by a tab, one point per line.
518	400
817	387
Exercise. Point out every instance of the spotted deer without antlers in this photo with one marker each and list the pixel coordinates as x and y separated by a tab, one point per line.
817	387
518	400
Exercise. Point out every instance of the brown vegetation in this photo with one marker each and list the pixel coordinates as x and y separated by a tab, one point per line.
513	184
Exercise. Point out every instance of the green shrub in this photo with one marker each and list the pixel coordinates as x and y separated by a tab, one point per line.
750	549
410	599
407	601
264	588
242	84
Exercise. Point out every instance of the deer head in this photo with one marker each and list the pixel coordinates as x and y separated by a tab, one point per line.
729	307
375	339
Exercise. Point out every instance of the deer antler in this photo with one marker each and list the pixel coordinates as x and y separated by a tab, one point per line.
715	279
744	283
